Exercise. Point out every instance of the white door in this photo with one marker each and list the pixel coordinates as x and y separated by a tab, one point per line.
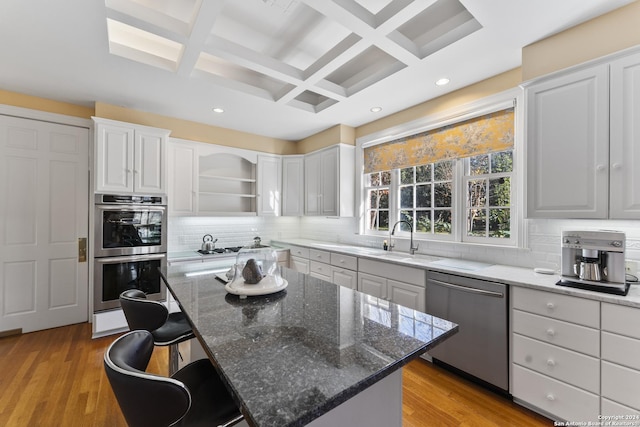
269	171
114	158
372	285
293	185
149	159
567	145
44	176
329	182
312	184
625	139
408	295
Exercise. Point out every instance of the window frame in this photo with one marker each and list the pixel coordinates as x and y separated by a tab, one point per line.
507	99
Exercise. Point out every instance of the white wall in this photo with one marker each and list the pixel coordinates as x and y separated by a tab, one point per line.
543	240
185	233
543	237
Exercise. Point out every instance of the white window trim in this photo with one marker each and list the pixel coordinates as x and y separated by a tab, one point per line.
468	111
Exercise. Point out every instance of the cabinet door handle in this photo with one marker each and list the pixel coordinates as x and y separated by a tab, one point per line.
616	166
600	168
551	363
551	306
551	397
551	332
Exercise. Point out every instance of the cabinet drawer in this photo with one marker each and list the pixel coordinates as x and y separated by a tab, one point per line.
415	276
320	268
320	256
563	307
621	384
621	320
622	350
612	409
299	251
565	365
562	400
568	335
345	261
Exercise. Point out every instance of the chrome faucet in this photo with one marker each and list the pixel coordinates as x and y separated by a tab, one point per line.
412	249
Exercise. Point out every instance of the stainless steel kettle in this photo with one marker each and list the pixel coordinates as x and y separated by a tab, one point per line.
208	244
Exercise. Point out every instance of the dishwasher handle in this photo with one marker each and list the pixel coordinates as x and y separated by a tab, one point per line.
468	289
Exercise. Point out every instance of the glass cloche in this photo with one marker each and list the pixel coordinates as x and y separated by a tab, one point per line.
256	271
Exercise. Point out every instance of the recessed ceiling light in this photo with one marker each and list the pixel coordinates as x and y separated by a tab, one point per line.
218	110
376	109
443	81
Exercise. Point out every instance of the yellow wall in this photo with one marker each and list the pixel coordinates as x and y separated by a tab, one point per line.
338	134
614	31
474	92
194	131
41	104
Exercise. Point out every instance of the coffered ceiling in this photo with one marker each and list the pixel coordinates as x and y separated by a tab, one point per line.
279	68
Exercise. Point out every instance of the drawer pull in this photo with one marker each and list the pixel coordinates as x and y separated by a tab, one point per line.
551	305
551	397
551	332
551	363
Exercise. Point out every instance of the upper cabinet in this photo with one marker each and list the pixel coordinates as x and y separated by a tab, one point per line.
269	183
624	154
580	142
129	158
293	185
212	180
329	181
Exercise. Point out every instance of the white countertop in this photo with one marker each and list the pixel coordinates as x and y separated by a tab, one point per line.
515	276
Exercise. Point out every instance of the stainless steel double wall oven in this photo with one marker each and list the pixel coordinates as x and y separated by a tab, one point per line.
130	245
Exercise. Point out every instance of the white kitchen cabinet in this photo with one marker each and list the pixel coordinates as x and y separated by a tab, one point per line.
293	185
625	138
329	181
582	133
301	265
182	178
567	133
405	294
555	353
620	360
269	183
379	279
129	158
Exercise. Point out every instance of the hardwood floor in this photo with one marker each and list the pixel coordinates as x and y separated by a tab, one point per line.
56	378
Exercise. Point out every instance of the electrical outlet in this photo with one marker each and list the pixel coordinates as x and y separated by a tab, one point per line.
631	267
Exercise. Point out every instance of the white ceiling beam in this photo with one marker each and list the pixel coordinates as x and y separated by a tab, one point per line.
203	22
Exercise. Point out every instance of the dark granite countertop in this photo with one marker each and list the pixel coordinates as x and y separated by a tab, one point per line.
292	356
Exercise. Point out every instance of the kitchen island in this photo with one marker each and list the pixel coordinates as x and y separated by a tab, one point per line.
313	354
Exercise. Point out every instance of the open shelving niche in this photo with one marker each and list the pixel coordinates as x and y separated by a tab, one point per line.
226	185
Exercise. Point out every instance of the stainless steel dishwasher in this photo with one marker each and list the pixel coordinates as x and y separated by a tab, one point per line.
480	308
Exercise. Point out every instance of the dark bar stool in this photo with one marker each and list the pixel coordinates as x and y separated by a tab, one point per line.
193	396
153	316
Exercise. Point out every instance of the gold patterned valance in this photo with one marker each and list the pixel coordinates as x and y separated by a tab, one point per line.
485	134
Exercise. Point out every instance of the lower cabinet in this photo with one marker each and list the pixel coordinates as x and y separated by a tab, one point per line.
378	279
575	359
620	360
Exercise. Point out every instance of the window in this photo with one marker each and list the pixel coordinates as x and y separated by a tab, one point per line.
454	182
426	197
377	190
488	195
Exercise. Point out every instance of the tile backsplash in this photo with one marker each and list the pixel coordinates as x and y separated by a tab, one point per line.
542	237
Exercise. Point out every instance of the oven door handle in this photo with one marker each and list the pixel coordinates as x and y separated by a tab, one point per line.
131	208
129	258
